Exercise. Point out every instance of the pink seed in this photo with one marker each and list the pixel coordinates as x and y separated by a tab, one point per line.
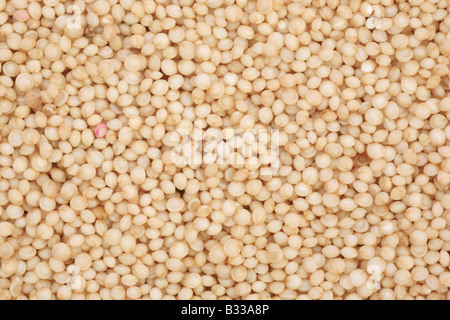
100	130
21	15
